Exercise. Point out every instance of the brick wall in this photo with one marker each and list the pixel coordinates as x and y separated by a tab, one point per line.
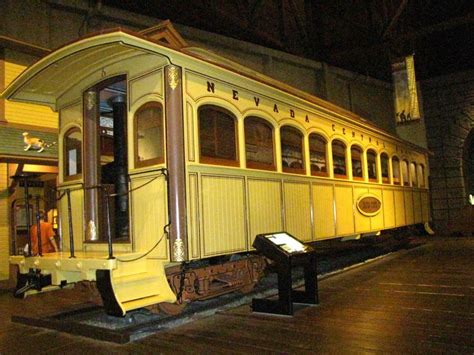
449	114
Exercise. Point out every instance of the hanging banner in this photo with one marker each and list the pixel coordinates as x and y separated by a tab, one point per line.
406	96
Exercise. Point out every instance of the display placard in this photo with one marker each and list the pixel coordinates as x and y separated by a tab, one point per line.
288	243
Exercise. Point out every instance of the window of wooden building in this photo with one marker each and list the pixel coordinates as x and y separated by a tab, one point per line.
372	165
396	171
292	150
356	159
413	175
421	175
259	144
217	136
149	141
72	154
318	154
384	166
339	159
405	173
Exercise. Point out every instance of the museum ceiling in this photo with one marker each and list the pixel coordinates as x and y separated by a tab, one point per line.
358	35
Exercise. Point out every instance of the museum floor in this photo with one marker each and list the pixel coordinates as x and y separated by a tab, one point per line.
419	300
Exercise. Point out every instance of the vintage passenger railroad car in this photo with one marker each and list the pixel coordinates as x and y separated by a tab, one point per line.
196	155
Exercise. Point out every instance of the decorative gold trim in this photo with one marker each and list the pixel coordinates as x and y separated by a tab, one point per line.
173	77
91	231
90	100
178	250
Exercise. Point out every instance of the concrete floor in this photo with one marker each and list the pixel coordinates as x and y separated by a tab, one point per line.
413	301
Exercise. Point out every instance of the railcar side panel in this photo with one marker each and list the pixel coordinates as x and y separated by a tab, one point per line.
323	211
377	221
418	213
223	215
264	207
400	216
388	208
362	223
409	213
344	210
298	209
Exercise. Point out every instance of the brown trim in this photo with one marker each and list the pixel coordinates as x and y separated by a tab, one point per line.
6	158
339	176
152	161
319	173
24	47
2	84
385	180
217	161
261	166
373	180
175	152
357	178
293	170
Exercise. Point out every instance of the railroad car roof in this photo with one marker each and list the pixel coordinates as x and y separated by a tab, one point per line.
47	79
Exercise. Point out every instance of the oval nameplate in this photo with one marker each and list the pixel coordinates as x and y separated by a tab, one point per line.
369	205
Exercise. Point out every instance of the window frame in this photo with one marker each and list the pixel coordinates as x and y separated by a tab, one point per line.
152	161
361	156
259	165
400	177
288	169
213	160
413	177
65	156
385	179
339	176
323	139
376	178
407	164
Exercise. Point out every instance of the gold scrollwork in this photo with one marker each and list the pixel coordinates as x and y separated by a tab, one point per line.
173	77
178	250
90	100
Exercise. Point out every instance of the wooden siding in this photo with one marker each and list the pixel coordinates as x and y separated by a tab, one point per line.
323	202
28	114
377	221
265	206
298	210
399	208
344	210
223	215
149	215
388	208
362	223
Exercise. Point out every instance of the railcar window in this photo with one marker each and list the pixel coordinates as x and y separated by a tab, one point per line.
372	164
292	150
72	154
384	166
405	173
356	158
149	145
421	175
259	144
217	136
413	175
339	159
318	155
396	170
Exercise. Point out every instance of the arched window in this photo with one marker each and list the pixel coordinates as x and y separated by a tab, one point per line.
372	165
149	141
259	144
396	171
339	159
405	173
356	159
384	166
318	155
421	175
413	174
292	150
217	136
72	154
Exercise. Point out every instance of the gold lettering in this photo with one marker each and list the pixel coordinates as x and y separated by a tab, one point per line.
307	118
210	87
257	101
333	127
235	94
292	114
275	108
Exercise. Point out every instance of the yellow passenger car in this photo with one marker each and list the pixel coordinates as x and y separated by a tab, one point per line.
172	154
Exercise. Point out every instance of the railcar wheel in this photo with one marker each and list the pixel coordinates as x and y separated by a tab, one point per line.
171	309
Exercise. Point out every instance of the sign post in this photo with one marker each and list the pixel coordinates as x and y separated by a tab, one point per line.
287	252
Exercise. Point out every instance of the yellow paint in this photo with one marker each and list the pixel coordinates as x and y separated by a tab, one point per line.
4	226
344	210
298	210
399	208
377	221
388	208
362	223
409	207
193	216
149	215
323	202
265	206
223	215
148	84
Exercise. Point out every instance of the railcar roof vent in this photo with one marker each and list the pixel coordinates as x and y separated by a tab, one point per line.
165	33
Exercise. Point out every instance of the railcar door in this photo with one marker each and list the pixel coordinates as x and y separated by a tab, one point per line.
106	160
